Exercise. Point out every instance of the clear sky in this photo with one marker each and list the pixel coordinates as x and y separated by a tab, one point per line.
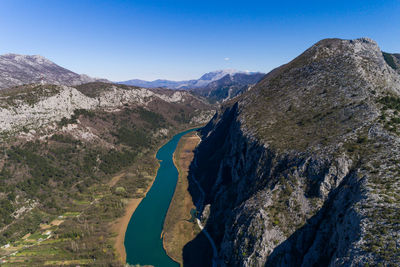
146	39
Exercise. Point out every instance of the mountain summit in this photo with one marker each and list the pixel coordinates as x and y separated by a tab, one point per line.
24	69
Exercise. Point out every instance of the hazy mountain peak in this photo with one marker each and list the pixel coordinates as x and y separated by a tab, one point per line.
16	69
216	85
218	74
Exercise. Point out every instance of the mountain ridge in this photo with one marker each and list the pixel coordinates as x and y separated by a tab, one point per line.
216	86
301	169
16	69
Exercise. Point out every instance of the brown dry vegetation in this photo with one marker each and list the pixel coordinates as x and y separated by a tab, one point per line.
178	230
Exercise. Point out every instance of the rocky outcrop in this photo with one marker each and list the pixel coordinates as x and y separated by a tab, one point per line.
301	170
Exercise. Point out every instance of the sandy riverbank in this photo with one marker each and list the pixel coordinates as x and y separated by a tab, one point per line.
120	225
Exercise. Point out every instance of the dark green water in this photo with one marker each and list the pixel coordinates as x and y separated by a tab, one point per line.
143	244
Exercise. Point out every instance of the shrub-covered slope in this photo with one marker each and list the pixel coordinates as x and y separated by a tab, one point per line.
61	148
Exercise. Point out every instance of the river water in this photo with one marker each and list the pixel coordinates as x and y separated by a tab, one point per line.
143	243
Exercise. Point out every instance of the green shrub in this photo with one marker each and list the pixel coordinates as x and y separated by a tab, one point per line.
152	118
389	60
134	138
390	102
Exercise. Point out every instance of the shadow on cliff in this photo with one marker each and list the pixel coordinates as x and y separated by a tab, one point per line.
199	252
314	244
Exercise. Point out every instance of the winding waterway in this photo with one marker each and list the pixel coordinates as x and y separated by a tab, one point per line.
143	243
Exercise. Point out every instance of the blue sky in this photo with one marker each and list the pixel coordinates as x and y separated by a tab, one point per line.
177	40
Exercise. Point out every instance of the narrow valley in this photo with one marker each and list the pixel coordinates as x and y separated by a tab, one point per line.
154	133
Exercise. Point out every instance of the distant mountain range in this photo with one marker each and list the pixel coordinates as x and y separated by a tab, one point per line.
201	82
24	69
228	86
216	85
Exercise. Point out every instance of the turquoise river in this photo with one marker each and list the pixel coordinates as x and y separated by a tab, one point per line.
143	243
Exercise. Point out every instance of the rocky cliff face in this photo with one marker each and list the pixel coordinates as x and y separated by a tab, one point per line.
303	169
23	69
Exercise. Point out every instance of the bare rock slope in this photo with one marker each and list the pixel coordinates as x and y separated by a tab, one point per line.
34	106
303	170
